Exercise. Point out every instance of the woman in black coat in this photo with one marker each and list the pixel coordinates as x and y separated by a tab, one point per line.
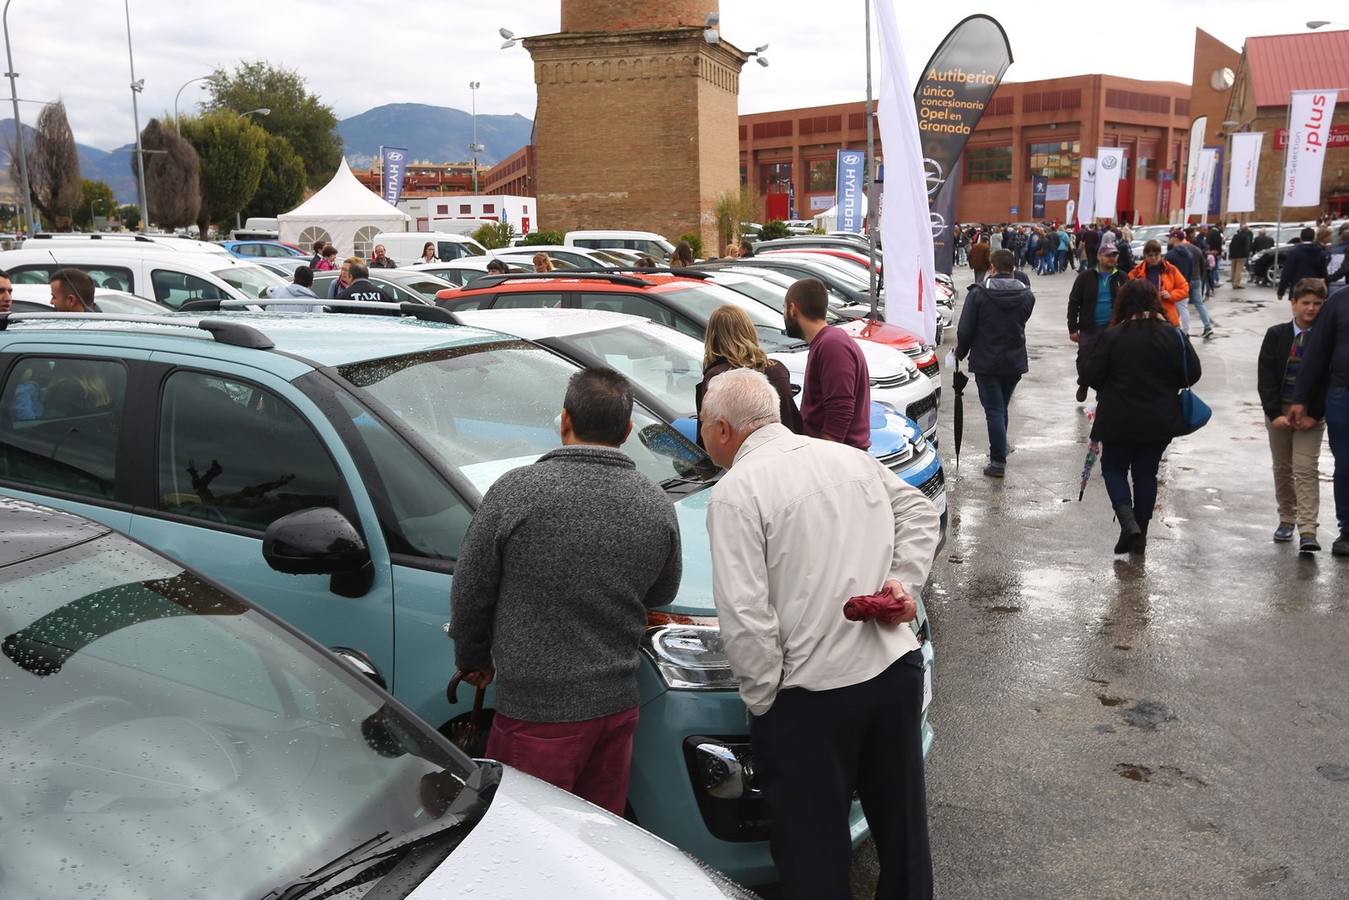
1138	369
732	343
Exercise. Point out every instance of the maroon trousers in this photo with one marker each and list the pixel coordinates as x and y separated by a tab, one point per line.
592	759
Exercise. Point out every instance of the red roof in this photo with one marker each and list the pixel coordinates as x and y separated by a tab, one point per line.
1281	63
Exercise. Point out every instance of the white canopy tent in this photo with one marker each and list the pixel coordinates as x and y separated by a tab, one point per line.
345	213
828	220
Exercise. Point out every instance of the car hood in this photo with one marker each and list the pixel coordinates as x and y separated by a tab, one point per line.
882	361
539	841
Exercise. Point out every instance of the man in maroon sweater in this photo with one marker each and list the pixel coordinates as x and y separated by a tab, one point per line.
836	402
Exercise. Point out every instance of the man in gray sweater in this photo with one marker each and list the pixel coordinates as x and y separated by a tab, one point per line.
554	579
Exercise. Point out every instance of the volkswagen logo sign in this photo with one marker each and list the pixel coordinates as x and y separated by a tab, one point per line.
935	177
1109	162
938	225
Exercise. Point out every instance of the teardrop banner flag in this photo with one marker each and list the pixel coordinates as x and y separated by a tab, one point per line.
1193	204
1309	115
1109	168
956	87
1086	191
1245	164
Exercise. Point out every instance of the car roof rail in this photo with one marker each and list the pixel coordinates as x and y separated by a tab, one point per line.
235	334
421	311
115	237
681	271
611	276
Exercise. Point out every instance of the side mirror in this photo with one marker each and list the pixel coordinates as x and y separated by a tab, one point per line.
320	541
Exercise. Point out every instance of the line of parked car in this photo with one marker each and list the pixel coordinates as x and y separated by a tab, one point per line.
325	465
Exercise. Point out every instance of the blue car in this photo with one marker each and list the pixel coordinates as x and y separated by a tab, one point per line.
326	466
262	249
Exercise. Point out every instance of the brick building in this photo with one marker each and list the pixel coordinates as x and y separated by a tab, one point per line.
423	178
1270	67
513	175
1030	128
636	117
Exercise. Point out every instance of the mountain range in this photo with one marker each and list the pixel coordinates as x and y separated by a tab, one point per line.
435	133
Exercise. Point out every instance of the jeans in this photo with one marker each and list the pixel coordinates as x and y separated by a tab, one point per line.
995	395
1337	426
1119	459
1197	301
1060	260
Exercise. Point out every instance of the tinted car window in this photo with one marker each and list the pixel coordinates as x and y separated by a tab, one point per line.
632	304
531	300
155	713
173	289
249	250
212	467
114	278
59	423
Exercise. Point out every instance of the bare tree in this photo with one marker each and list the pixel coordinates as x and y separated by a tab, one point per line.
54	167
172	176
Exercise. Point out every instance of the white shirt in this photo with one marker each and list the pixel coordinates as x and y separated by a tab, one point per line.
798	526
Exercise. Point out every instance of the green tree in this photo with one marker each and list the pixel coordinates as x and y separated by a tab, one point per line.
494	236
172	176
53	167
98	201
545	238
233	152
129	216
283	181
300	117
774	230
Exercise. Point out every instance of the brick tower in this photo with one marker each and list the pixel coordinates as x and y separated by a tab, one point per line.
637	123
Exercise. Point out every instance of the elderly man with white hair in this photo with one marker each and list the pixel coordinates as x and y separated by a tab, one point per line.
798	527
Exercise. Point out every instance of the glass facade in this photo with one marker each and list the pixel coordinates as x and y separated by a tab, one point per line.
986	164
822	174
1058	160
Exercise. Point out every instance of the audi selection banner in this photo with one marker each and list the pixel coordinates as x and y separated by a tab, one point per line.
1194	204
392	163
957	84
1245	165
848	190
1309	114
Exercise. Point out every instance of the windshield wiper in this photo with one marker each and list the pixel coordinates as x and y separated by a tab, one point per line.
467	808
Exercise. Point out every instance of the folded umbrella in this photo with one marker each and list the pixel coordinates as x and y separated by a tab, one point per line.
469	735
1093	454
958	382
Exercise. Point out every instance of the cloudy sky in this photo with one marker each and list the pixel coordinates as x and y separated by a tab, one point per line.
361	54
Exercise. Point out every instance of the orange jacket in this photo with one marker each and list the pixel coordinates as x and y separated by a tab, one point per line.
1172	283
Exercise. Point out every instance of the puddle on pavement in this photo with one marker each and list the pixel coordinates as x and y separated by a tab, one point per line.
1333	772
1167	776
1107	700
1148	715
1268	877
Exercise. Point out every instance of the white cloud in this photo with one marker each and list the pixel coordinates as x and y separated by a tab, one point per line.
359	55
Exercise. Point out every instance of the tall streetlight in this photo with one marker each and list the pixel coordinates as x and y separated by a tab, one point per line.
177	127
475	148
27	205
136	88
1322	23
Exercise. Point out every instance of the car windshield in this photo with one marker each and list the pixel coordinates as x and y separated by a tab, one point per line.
772	292
701	299
423	284
164	739
253	281
661	360
488	408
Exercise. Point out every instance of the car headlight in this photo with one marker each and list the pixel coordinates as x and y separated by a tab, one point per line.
690	657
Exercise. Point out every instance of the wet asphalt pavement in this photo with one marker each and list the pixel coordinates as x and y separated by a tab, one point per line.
1114	727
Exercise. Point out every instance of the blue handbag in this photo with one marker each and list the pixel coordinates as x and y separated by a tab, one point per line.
1194	413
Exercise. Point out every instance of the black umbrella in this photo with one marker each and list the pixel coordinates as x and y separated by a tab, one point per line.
469	734
958	381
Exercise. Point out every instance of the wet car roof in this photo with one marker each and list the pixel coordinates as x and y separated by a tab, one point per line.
29	530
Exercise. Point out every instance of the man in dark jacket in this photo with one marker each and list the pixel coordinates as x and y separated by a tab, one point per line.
1322	393
381	259
1091	303
1238	251
1091	239
551	590
1337	268
1261	241
992	333
1296	451
362	288
1304	259
1190	260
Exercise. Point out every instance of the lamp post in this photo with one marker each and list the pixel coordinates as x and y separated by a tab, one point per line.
475	148
1322	23
176	127
27	205
136	88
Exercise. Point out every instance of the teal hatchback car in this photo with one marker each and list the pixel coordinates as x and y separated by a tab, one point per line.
326	467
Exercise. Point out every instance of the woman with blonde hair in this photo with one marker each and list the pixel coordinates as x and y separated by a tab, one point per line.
732	343
542	263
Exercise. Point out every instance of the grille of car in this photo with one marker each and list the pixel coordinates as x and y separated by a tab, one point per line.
934	485
893	381
894	461
920	408
932	369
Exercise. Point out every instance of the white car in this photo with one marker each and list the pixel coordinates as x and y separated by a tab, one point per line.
405	247
38	298
174	242
575	257
648	242
168	277
461	271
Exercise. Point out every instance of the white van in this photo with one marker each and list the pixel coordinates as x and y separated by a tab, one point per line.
648	242
169	278
405	247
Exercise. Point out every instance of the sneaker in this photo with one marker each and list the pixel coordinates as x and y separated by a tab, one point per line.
1208	334
995	470
1081	393
1284	533
1308	544
1341	545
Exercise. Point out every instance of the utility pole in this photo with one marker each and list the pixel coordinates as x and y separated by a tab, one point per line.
25	207
867	183
136	88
